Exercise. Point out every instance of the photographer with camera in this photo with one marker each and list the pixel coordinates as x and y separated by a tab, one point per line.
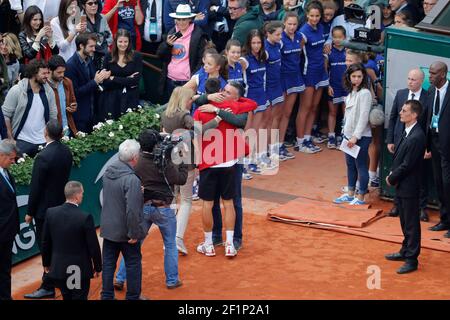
159	174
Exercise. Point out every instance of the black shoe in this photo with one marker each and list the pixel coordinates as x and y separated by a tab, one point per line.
424	216
393	212
407	267
176	285
40	294
395	257
447	234
439	227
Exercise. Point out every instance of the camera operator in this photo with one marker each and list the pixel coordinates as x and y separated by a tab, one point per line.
158	182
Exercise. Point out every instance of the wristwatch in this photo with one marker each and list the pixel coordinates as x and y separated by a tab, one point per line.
217	110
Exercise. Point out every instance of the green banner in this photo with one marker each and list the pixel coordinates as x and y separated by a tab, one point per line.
89	173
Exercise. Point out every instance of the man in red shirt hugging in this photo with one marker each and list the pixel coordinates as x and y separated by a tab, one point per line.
221	149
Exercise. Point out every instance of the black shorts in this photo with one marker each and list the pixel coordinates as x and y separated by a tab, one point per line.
217	181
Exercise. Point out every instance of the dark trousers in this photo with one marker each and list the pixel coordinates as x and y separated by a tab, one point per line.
441	169
133	258
47	284
237	201
410	222
172	84
30	149
74	294
5	269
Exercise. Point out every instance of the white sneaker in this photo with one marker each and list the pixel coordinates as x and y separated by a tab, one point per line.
207	250
230	251
181	247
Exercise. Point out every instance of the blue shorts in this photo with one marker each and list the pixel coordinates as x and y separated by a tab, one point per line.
339	94
260	98
292	83
316	78
275	94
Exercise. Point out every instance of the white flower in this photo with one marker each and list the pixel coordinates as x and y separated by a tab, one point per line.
111	134
81	134
139	106
157	116
20	160
110	122
26	156
98	125
65	138
40	148
129	110
120	127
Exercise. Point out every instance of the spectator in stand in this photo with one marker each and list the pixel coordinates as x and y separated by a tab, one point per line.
36	39
153	28
9	21
4	79
29	105
181	56
80	69
125	14
96	23
403	5
121	89
220	24
428	5
403	19
199	7
268	10
247	18
64	95
64	28
388	15
11	52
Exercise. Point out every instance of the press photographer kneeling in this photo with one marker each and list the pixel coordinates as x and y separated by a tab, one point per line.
158	175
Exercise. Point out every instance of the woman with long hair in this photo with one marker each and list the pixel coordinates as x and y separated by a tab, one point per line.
11	52
36	38
65	29
121	90
357	131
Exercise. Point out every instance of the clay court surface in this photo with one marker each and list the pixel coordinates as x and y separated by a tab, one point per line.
282	261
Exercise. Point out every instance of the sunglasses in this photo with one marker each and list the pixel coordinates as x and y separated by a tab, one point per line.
90	4
234	8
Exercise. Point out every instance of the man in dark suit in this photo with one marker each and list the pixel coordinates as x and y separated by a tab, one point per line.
3	129
438	139
71	253
396	128
406	176
403	6
9	216
51	171
80	69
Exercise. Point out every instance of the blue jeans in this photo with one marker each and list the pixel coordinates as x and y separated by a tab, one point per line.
132	254
166	220
237	201
357	169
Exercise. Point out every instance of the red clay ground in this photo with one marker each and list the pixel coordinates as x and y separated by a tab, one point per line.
280	261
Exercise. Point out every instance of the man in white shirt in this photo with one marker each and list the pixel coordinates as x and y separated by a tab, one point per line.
28	106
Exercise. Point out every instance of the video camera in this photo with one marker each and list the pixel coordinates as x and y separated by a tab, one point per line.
162	152
367	36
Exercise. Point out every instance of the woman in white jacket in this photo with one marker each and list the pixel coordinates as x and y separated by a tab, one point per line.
64	28
357	131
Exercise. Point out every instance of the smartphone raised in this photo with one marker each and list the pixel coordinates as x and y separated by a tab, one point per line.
83	18
178	34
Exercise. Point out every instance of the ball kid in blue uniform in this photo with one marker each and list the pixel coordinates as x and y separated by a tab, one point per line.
315	76
233	54
336	92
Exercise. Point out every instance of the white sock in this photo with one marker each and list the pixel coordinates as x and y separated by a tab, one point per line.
307	137
230	234
372	175
300	141
331	134
208	238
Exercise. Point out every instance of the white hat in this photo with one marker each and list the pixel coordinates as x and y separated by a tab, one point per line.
183	12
